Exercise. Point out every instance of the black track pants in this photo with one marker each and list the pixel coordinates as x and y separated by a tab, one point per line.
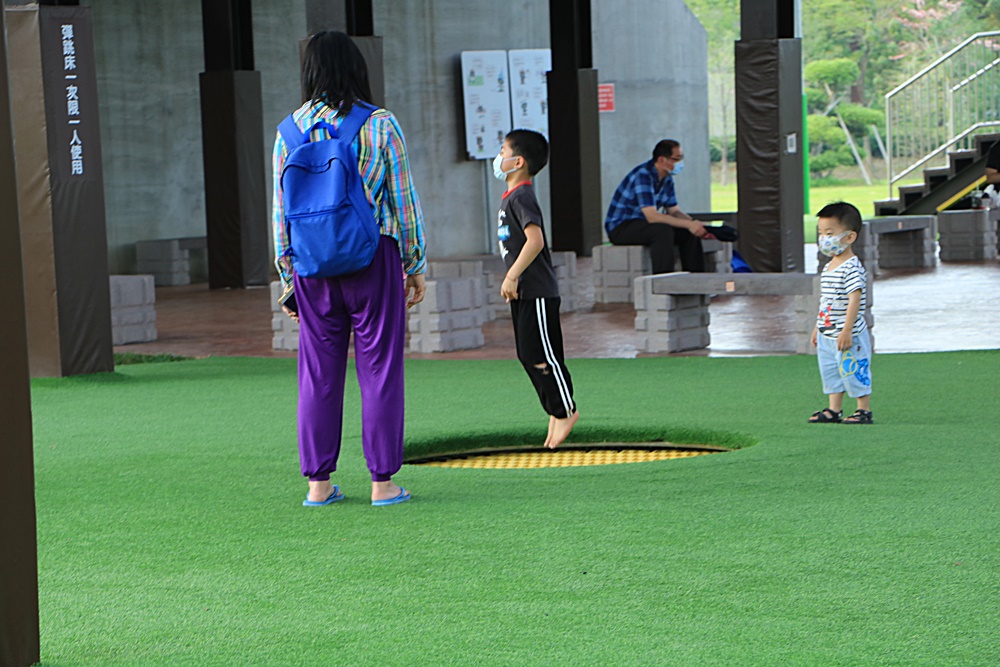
540	349
661	239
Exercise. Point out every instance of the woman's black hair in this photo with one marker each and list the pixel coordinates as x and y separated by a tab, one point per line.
334	71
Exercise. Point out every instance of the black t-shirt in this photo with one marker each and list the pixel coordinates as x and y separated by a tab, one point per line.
518	210
993	157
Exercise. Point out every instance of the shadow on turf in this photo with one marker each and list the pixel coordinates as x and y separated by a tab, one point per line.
421	450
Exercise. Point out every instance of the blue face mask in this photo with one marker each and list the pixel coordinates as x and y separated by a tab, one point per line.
498	171
831	246
678	168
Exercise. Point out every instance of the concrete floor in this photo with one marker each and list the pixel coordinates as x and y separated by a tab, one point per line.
954	306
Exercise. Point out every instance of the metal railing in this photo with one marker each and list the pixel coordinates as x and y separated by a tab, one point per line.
944	106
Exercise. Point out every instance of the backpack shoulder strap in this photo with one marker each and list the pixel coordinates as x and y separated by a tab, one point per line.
350	126
291	134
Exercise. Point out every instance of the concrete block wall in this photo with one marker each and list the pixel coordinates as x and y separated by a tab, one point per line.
165	260
615	269
669	323
133	309
718	256
806	310
450	317
285	330
564	263
909	249
967	236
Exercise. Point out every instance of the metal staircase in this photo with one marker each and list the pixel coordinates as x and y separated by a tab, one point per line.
943	120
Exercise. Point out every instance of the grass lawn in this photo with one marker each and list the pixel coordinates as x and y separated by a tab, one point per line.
857	193
171	530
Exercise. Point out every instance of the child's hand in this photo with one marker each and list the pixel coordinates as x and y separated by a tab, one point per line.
508	290
845	339
812	337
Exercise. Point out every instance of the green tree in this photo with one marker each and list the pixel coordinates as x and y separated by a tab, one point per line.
721	20
828	147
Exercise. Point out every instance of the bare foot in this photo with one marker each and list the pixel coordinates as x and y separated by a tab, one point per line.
385	490
561	429
552	425
319	491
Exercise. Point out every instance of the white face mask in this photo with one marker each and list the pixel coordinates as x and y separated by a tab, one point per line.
831	246
498	171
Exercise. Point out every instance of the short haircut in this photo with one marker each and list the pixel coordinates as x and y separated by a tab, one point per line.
847	214
530	145
665	148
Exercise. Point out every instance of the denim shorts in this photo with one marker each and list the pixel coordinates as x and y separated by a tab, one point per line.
845	370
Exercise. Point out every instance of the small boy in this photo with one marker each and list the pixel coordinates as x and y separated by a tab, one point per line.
841	335
530	285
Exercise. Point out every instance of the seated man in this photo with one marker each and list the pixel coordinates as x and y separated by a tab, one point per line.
993	175
644	212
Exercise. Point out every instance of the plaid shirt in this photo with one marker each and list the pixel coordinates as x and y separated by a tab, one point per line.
385	171
642	187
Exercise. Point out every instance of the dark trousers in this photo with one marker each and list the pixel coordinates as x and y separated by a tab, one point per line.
538	337
661	239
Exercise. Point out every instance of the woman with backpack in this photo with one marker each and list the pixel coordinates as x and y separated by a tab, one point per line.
329	304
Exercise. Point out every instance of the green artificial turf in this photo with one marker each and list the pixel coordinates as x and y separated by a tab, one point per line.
171	530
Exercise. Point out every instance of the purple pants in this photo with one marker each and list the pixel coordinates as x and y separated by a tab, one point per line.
372	304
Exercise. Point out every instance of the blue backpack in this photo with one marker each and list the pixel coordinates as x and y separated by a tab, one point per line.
328	219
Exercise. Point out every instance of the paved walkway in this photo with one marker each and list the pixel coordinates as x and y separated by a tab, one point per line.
954	306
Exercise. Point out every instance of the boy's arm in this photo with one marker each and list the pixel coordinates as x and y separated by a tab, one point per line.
533	244
853	305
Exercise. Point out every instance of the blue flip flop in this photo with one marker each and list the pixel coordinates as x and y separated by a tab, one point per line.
335	495
403	496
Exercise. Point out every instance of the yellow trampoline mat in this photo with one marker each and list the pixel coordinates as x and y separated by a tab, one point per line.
564	458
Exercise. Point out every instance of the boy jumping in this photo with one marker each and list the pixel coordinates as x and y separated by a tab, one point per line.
841	334
530	285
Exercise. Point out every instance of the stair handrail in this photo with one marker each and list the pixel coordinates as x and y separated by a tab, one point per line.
955	138
943	148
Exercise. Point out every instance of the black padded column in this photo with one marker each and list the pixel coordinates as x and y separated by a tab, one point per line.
770	181
19	633
233	148
574	130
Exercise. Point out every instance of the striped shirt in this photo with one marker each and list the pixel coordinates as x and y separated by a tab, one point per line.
385	171
836	286
640	188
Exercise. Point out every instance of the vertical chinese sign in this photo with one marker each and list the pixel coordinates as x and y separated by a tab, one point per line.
65	250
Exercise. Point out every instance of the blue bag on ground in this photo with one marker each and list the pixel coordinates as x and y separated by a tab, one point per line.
739	264
330	225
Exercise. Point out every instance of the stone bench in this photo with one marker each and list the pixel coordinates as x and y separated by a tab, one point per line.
168	260
494	269
672	308
905	241
967	236
617	266
133	309
285	330
452	314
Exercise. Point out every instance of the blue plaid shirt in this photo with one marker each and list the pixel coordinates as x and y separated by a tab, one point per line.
641	188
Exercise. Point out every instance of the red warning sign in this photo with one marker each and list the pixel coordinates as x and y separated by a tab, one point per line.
605	97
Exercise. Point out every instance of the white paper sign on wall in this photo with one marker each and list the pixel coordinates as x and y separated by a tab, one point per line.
486	97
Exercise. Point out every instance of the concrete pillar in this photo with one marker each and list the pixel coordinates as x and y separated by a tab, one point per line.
19	632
